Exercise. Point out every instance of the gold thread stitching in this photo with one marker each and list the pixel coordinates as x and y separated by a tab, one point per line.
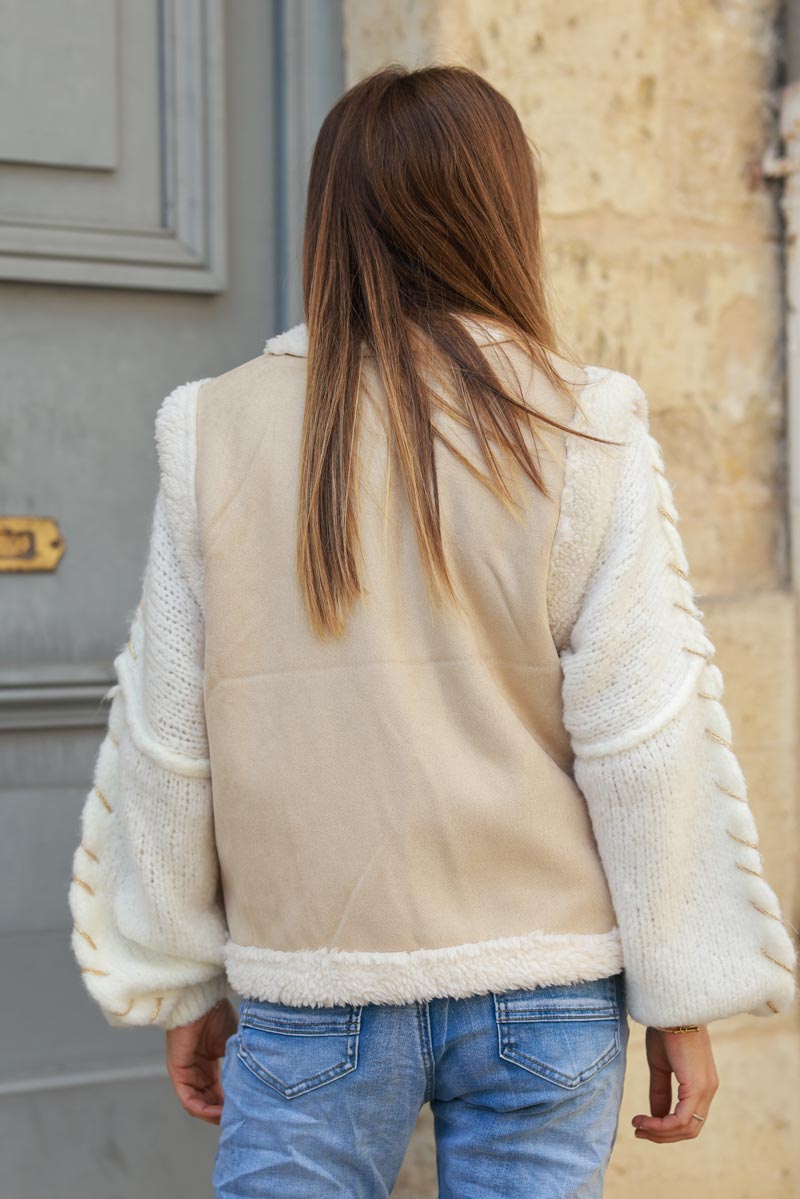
741	840
85	935
89	853
667	516
105	802
747	870
683	608
717	737
658	470
130	647
782	965
156	1009
766	912
727	791
121	1014
698	652
89	970
83	884
708	695
678	569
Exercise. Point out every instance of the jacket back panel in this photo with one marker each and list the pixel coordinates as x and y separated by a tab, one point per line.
409	785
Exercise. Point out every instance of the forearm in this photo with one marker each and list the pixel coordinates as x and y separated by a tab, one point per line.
702	931
149	923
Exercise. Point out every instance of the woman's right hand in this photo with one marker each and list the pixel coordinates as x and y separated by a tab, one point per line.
193	1061
688	1056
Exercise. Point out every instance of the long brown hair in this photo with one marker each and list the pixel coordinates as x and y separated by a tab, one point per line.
422	208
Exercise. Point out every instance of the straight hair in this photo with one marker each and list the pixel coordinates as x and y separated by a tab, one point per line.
422	208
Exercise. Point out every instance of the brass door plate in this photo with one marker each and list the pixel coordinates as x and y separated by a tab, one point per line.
30	543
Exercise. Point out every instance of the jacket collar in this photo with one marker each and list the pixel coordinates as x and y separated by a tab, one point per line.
294	341
291	341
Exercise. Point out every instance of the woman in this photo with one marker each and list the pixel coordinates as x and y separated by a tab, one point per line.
417	605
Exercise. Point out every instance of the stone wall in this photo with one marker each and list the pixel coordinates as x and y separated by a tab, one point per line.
664	247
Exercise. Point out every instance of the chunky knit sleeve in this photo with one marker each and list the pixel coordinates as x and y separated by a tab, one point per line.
702	931
149	926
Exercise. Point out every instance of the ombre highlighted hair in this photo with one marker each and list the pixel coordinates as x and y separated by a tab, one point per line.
422	207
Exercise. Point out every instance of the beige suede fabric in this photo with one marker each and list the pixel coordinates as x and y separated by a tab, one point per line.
409	786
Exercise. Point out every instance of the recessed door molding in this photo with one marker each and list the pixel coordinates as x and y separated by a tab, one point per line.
184	249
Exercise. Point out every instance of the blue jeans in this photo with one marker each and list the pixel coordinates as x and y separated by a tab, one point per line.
525	1088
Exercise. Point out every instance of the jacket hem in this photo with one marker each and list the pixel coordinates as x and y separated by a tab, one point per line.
316	977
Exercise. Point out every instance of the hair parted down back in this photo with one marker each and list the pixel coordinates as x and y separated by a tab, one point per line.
422	206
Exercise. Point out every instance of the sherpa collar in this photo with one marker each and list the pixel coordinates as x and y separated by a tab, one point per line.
291	341
295	340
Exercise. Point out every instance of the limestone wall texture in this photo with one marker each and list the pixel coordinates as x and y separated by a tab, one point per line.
664	249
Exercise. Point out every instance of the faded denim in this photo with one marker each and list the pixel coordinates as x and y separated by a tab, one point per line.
525	1087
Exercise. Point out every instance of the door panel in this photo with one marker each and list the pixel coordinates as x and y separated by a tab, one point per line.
119	106
148	151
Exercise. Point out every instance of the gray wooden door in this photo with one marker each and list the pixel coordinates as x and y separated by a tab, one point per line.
152	154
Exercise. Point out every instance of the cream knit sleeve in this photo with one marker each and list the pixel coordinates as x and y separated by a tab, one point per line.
702	931
149	926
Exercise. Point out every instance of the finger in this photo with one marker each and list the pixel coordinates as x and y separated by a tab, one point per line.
203	1077
656	1140
669	1128
199	1104
670	1125
201	1110
205	1084
660	1091
215	1094
680	1121
667	1139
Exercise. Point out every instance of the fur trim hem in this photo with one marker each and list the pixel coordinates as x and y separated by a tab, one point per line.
326	977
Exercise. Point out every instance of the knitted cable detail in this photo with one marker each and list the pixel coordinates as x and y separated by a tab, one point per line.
702	931
722	765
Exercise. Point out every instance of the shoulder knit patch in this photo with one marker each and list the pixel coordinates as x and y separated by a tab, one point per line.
608	406
176	445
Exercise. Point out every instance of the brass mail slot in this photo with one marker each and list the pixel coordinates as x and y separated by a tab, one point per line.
30	543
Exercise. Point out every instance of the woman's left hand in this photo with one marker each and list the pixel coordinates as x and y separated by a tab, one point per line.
193	1053
689	1057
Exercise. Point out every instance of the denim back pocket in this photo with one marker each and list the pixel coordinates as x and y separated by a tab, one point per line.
296	1049
564	1033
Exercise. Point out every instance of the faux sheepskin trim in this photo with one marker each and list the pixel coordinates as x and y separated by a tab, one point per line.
291	341
295	340
614	398
325	977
